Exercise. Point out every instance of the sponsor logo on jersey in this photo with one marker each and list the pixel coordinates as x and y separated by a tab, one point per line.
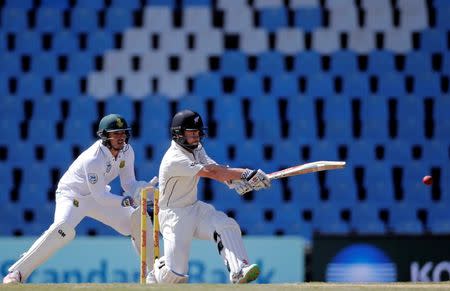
76	203
93	178
122	164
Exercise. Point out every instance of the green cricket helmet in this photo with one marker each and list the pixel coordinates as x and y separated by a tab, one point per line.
112	123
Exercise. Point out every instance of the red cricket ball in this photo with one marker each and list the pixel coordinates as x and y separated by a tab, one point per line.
427	180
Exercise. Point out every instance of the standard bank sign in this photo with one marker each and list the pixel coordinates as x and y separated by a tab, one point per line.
109	260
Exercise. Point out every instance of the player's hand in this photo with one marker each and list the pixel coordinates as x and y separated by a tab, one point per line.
240	186
128	201
256	178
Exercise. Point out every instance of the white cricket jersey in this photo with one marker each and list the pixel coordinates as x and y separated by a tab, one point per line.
94	169
177	175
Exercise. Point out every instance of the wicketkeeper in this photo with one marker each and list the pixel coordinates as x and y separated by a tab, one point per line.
84	191
183	217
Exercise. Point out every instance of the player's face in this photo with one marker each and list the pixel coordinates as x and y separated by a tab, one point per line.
117	139
192	136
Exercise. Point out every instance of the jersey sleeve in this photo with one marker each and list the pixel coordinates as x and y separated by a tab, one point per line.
96	183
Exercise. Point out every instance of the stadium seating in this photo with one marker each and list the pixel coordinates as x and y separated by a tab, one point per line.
277	82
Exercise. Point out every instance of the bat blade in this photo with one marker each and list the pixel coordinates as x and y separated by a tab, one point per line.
307	168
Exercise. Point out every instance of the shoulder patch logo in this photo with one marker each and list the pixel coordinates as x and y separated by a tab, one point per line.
93	178
108	167
122	164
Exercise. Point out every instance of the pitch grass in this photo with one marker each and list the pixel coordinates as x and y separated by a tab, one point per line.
250	287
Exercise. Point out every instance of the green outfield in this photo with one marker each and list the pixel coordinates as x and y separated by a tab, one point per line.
213	287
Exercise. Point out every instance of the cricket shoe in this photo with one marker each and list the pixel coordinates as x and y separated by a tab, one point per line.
247	274
12	278
151	279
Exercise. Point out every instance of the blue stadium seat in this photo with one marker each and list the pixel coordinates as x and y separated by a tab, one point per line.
324	150
391	84
249	153
327	219
28	42
14	20
398	152
42	131
44	64
417	62
80	64
343	62
439	219
207	85
59	154
49	20
10	64
442	21
20	154
6	182
156	108
99	41
380	62
216	150
355	84
434	40
10	130
403	219
442	128
308	19
90	4
83	107
415	192
168	3
287	152
273	19
231	125
266	120
338	118
378	184
341	186
41	110
65	42
30	86
288	218
56	4
25	4
434	152
427	84
410	117
194	103
233	63
66	85
249	85
11	109
8	213
79	131
270	63
365	219
305	190
302	121
120	105
320	85
284	85
307	63
361	151
118	19
83	20
375	117
130	5
194	2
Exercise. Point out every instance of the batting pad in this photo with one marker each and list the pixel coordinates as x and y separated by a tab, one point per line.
54	238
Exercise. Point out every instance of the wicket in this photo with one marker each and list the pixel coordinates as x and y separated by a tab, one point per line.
143	246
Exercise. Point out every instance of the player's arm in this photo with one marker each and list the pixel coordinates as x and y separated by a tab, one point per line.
242	180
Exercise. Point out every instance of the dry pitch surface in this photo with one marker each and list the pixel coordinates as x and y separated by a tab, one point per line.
212	287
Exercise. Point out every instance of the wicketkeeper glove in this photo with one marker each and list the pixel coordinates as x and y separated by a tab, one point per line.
127	201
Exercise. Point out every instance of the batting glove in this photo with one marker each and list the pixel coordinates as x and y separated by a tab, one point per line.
257	179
